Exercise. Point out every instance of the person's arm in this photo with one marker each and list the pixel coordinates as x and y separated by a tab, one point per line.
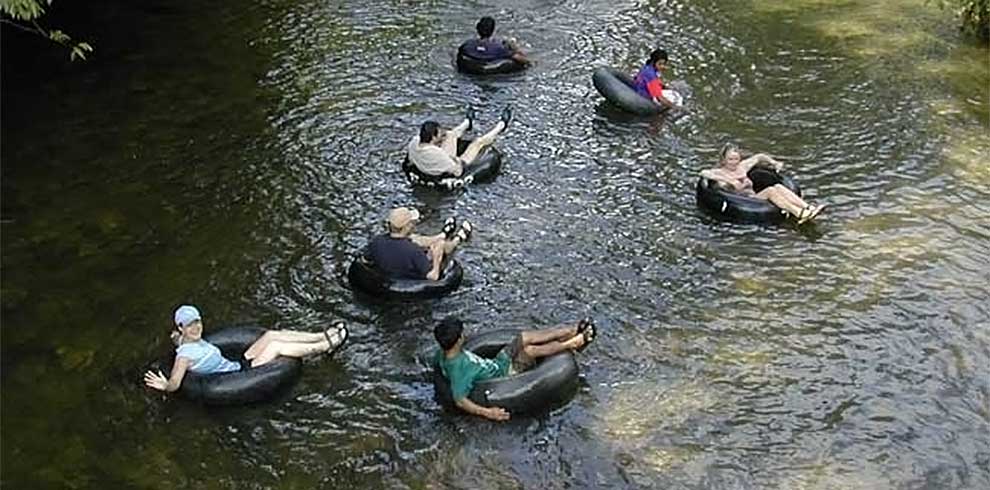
762	158
713	174
497	414
517	54
158	381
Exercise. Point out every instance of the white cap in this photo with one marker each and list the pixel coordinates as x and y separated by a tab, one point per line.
185	315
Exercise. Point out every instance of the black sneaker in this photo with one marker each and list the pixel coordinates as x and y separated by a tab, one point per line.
506	117
470	115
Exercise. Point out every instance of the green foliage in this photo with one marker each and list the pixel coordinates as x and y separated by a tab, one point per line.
974	14
23	9
24	14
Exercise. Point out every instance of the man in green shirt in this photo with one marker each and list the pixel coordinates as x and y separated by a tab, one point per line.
463	368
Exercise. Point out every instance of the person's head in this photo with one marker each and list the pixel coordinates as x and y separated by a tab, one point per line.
401	221
448	333
189	322
730	157
658	59
486	27
429	132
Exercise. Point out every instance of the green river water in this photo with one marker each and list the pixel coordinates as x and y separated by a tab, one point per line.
237	155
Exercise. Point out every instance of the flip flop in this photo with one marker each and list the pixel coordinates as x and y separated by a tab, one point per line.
587	329
340	333
816	211
470	115
804	215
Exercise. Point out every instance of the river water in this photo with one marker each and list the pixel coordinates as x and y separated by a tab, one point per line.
237	156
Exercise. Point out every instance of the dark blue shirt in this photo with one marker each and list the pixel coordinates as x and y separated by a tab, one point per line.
399	258
488	49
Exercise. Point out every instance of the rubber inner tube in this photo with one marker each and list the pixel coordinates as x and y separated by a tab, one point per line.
249	385
365	276
474	66
729	205
617	88
551	382
484	168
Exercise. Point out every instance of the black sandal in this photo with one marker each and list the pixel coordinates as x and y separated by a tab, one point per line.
449	228
586	328
465	232
341	333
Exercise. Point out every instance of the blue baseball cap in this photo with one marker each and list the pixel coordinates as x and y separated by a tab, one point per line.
185	314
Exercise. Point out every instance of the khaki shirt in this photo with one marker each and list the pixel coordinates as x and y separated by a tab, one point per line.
431	159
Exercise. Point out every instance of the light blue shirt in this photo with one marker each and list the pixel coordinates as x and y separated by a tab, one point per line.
206	358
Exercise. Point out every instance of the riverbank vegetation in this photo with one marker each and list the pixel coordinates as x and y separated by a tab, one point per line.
974	15
25	14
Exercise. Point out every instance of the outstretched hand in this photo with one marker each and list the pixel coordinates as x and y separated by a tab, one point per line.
155	380
497	414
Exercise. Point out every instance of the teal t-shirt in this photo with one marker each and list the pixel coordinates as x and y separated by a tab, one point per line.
466	368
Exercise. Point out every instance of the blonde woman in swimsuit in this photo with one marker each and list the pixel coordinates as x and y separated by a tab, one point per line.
732	173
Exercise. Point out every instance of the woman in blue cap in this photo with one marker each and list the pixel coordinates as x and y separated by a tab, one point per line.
196	355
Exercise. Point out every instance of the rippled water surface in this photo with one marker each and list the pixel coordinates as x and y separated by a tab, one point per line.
237	157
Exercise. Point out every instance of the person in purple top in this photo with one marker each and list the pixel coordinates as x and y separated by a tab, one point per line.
649	84
490	48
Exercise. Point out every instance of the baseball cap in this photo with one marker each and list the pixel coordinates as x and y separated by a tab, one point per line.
400	217
185	314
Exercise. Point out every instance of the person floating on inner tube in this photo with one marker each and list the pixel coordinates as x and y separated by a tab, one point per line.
400	254
196	355
732	173
490	48
434	151
649	85
463	368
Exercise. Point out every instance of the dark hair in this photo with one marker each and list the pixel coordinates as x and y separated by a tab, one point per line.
657	55
486	26
448	331
428	130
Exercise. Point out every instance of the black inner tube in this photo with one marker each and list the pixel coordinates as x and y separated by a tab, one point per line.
474	66
551	382
617	88
484	168
249	385
729	205
365	276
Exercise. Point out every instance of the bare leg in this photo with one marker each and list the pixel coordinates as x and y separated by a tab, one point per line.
783	198
534	337
426	241
536	351
448	246
481	142
281	336
449	144
290	349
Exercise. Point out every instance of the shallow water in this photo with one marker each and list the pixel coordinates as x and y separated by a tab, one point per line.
238	157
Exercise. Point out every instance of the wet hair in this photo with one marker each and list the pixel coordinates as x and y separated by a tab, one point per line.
726	149
428	130
486	26
448	331
657	55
